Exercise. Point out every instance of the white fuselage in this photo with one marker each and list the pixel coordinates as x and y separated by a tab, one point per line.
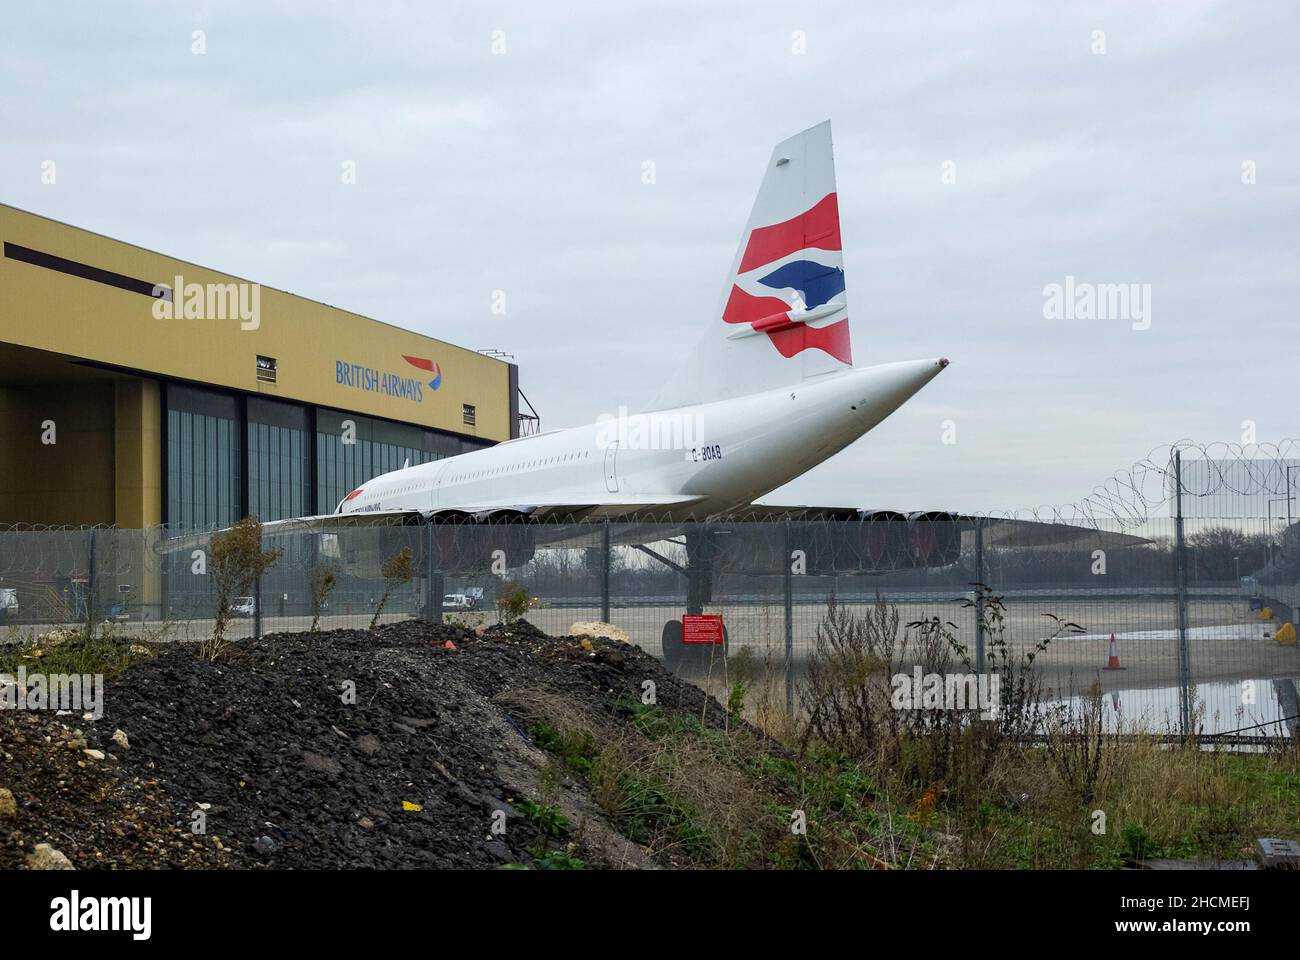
694	461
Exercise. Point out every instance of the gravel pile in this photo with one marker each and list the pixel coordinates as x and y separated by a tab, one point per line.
343	749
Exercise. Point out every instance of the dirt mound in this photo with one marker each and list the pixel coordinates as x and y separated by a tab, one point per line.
413	746
81	804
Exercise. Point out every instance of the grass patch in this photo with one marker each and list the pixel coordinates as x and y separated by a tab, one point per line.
856	782
576	747
73	651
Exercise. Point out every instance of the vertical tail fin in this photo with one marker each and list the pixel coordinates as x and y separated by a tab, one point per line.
783	316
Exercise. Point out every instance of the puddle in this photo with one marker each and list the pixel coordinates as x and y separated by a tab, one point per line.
1222	707
1233	631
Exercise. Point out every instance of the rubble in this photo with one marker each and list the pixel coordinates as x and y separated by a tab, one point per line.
341	749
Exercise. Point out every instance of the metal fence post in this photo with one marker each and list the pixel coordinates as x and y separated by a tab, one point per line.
604	571
164	573
1180	586
788	577
90	586
980	583
436	581
257	593
428	570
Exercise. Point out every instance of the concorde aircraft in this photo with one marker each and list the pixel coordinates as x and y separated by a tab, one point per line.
769	392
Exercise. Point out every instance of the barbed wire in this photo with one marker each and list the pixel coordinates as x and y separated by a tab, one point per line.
1148	489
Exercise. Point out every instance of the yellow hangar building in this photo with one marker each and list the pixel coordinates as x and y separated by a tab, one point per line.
137	389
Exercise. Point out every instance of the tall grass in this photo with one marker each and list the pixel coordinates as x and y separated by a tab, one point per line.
1042	784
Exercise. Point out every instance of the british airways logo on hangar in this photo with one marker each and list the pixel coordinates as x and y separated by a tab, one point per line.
375	380
430	365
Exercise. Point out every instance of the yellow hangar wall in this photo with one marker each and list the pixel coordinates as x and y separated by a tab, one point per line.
323	355
98	461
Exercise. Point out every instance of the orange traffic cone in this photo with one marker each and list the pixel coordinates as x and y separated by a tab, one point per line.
1113	662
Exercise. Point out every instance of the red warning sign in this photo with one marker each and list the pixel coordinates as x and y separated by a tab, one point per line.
701	628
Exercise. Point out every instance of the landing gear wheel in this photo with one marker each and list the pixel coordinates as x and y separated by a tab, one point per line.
674	650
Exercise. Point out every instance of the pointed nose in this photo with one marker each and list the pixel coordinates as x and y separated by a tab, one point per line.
884	388
899	380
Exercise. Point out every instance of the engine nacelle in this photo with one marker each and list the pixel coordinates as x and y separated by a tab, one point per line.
877	542
934	538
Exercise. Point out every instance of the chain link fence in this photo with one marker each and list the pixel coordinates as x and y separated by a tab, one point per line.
1180	622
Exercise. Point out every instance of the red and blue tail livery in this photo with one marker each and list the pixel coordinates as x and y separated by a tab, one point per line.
784	309
801	259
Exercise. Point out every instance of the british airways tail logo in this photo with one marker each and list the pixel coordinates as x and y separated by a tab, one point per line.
816	283
430	365
801	255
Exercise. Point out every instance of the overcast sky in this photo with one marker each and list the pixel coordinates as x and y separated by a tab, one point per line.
479	170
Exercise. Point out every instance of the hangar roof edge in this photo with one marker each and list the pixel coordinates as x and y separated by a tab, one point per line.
288	293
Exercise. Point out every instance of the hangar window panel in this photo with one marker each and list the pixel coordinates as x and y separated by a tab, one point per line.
259	490
202	470
269	471
179	469
274	475
332	478
223	466
203	458
279	459
279	466
210	479
293	477
336	477
296	479
324	472
284	472
270	505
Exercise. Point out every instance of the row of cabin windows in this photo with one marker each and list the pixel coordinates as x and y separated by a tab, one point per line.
406	489
499	470
527	465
